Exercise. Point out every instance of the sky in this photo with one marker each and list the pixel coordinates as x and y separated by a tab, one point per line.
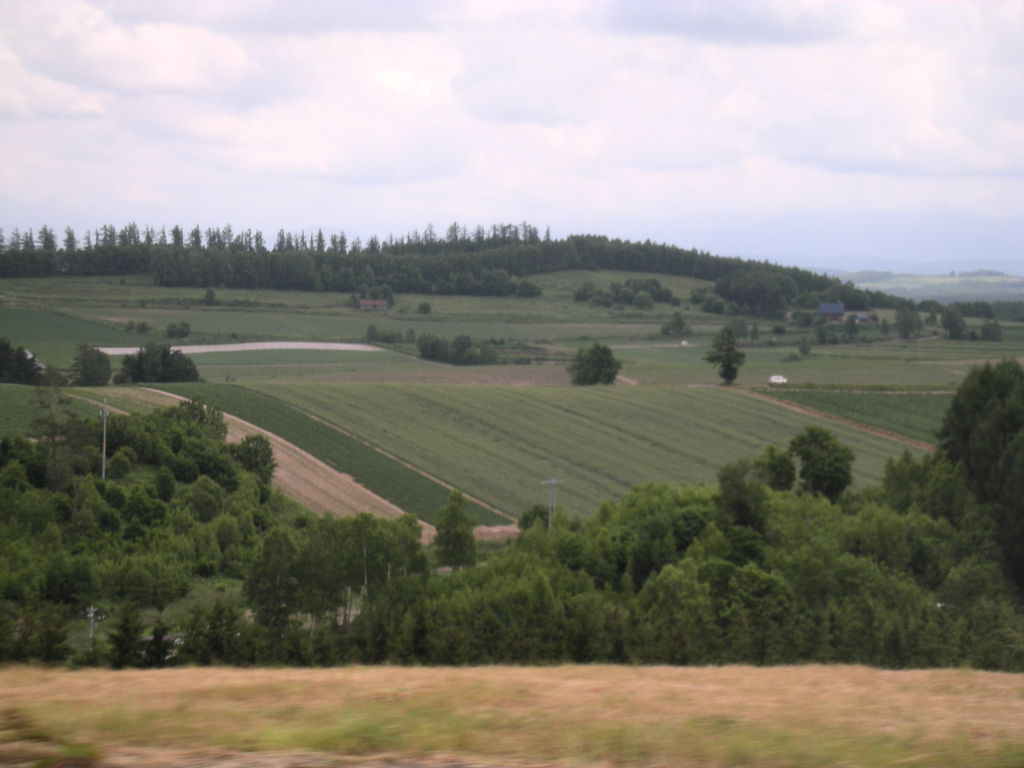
826	133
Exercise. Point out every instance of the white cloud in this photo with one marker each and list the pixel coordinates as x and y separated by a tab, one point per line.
74	41
651	117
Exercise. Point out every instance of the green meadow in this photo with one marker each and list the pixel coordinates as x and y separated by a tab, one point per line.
498	432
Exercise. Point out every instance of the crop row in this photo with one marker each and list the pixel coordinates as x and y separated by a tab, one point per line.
384	476
916	415
501	443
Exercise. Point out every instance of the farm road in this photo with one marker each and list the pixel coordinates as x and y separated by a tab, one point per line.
321	488
483	532
303	477
902	439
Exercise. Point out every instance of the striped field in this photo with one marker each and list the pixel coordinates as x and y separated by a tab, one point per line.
501	443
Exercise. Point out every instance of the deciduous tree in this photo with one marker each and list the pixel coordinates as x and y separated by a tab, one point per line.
726	355
596	365
91	367
825	463
455	543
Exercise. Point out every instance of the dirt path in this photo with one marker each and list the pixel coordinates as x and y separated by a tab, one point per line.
301	476
896	437
407	465
321	488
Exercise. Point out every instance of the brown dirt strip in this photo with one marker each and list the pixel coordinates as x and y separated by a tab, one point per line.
407	465
303	477
894	436
319	487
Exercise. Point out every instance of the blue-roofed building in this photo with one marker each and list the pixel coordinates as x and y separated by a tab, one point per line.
831	310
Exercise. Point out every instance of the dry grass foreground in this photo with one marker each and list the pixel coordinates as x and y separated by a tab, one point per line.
569	715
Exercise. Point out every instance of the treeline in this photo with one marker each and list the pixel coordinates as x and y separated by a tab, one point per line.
779	563
482	262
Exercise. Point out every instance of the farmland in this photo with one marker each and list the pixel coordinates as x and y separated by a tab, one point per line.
380	474
500	443
17	409
498	431
913	415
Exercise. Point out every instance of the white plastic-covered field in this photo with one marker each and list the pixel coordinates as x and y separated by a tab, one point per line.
253	346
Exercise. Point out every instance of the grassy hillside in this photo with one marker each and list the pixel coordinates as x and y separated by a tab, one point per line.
594	715
53	337
18	408
500	443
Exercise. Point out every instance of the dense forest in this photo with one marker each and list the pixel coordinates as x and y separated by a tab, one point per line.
484	262
780	562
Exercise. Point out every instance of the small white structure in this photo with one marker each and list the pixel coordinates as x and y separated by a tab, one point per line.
778	380
684	343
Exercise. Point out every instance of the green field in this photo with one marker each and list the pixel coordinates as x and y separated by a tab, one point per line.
497	432
501	443
53	337
917	416
387	478
18	408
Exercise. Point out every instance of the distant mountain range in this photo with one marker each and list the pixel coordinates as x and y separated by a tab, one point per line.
920	243
978	285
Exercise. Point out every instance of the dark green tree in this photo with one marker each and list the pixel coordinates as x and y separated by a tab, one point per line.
256	455
725	354
455	543
908	322
91	367
676	326
596	365
775	469
953	323
158	363
272	586
825	463
125	638
983	431
991	331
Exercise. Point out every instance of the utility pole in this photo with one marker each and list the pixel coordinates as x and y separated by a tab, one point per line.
552	485
104	412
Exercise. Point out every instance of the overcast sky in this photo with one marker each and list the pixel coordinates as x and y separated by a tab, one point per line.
686	121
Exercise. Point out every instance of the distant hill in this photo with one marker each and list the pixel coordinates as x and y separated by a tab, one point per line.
927	242
977	285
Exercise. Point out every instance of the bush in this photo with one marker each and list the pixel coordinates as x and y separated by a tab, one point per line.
178	330
596	365
121	462
527	290
157	363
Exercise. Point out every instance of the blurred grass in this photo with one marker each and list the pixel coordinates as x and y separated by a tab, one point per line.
596	715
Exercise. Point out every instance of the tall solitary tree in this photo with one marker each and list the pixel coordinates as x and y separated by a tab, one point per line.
725	355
